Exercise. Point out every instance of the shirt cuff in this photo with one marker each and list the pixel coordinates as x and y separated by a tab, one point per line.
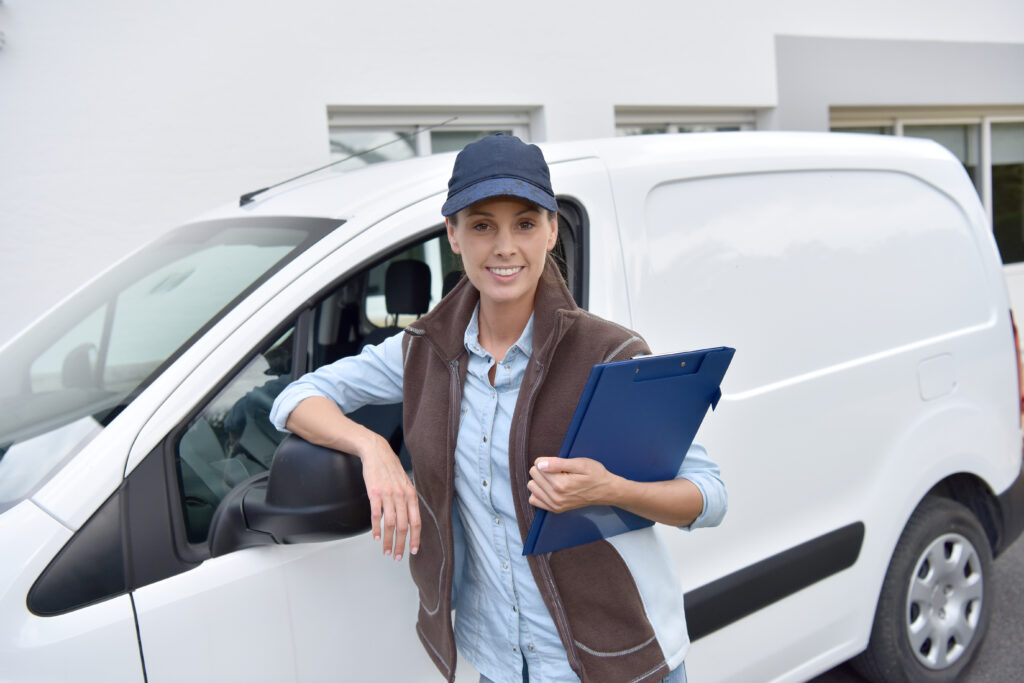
713	494
285	404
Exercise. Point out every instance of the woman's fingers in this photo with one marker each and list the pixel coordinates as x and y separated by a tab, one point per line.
389	523
394	506
376	513
539	497
407	509
415	525
561	484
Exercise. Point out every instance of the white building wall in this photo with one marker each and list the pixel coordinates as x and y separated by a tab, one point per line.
122	118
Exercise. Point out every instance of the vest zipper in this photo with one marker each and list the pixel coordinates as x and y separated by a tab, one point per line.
456	406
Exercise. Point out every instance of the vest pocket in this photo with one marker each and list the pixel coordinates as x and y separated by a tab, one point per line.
427	566
603	605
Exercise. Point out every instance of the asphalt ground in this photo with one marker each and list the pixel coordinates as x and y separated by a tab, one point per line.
1001	658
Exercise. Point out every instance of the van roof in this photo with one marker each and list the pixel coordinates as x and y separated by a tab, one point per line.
393	185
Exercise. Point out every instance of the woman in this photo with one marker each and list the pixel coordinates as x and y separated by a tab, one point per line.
489	380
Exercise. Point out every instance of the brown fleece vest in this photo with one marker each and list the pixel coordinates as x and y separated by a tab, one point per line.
589	590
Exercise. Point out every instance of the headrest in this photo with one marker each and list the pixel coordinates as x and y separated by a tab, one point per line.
407	287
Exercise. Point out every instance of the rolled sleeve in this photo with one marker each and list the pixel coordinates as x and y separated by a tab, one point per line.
698	468
374	376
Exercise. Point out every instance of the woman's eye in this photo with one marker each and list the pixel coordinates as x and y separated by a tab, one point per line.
480	227
526	225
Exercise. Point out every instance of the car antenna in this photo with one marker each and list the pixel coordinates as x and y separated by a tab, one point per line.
248	197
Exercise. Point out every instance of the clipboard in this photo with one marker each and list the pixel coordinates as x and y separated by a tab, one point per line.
638	418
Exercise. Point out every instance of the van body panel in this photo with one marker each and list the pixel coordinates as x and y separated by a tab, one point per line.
809	250
773	643
94	643
932	302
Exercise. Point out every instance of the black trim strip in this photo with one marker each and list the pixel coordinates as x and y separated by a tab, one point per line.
576	221
731	598
1011	512
138	636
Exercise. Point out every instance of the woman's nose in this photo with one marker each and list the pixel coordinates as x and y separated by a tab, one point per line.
503	243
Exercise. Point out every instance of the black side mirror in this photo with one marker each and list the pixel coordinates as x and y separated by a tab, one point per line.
310	494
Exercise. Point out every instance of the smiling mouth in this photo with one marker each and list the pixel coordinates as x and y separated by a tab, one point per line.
506	271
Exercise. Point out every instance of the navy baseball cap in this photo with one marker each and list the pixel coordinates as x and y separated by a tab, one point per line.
499	166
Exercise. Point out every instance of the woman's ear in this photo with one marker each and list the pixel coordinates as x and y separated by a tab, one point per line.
553	236
449	225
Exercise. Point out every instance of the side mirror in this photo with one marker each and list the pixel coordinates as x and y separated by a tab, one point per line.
310	494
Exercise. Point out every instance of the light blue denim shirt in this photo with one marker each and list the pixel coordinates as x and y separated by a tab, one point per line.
500	617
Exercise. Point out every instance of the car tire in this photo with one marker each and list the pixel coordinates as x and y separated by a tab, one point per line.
936	600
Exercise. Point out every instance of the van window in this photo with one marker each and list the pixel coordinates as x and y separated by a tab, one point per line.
841	264
71	373
232	438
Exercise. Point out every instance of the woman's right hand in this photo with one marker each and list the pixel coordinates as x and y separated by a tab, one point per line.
394	505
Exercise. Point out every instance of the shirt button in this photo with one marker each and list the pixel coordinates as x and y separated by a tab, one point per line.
485	439
515	649
485	483
515	608
530	647
504	565
497	520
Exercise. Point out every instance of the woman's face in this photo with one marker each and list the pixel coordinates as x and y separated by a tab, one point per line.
503	243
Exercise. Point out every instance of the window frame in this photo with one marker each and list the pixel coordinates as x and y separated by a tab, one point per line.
677	118
412	121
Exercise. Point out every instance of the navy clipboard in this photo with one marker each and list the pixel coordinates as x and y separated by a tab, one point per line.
637	417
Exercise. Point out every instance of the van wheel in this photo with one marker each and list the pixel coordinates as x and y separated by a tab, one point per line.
936	600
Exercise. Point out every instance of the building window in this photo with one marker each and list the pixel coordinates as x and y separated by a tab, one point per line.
376	134
1008	188
654	120
988	142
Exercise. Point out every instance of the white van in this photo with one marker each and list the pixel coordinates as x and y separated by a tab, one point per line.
869	432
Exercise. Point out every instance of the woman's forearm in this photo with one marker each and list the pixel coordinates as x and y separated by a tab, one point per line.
677	502
319	420
560	484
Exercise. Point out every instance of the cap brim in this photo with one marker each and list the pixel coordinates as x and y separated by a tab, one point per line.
498	187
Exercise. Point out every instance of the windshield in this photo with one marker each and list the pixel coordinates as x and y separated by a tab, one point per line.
70	374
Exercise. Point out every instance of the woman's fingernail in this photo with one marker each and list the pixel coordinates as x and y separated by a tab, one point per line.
542	465
398	557
414	550
387	551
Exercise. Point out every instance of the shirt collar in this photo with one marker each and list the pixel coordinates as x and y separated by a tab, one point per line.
472	336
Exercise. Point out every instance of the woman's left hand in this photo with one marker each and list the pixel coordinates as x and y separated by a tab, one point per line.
561	484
